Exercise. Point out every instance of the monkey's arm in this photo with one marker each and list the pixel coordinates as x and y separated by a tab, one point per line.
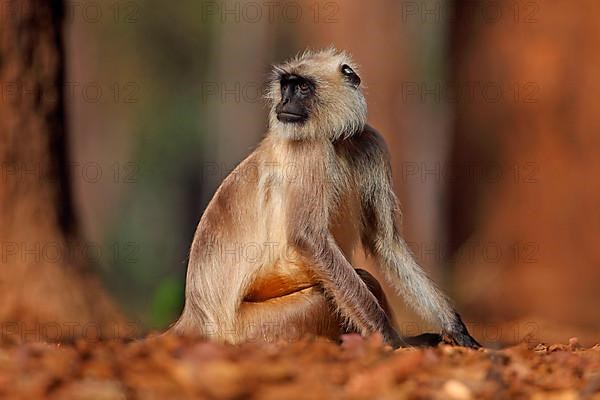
308	233
382	237
343	285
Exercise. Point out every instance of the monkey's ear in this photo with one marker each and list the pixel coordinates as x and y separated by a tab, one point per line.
350	75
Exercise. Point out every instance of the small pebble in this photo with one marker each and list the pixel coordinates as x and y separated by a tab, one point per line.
457	390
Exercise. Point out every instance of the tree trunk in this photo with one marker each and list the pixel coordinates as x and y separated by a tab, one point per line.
529	227
47	289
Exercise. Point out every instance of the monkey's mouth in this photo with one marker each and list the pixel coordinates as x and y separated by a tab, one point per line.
291	117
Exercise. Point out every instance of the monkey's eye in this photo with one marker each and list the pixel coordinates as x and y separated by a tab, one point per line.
350	75
304	87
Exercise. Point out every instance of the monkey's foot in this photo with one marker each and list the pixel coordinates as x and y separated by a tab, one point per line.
459	335
423	340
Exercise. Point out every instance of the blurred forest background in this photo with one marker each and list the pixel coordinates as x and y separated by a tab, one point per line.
489	109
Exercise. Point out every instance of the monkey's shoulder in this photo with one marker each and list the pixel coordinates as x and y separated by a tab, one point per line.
239	185
363	149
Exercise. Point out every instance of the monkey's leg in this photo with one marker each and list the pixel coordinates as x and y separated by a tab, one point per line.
422	340
304	313
375	288
290	317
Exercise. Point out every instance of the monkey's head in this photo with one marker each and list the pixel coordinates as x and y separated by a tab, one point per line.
317	95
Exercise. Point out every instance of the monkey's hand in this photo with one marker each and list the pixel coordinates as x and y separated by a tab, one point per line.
459	335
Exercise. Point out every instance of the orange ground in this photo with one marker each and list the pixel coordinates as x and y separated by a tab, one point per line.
165	367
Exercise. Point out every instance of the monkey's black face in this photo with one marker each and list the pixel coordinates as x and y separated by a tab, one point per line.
297	93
